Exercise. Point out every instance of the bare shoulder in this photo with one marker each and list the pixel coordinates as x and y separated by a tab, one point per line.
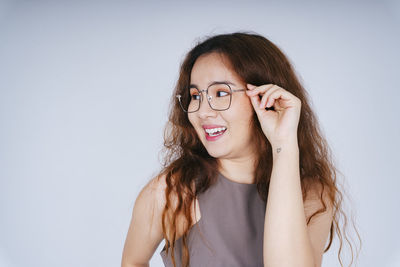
151	200
145	230
318	200
318	196
154	190
157	188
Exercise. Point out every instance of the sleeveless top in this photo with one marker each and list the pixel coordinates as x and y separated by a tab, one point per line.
230	231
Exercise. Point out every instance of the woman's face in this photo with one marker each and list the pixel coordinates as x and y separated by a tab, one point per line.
236	140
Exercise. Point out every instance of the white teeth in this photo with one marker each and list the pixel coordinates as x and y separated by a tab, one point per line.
215	130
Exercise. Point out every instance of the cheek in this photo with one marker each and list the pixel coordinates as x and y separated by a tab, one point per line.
240	120
242	113
193	121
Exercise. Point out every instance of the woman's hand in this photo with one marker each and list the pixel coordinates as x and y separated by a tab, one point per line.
280	123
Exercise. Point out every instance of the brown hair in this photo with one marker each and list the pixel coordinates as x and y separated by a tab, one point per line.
189	170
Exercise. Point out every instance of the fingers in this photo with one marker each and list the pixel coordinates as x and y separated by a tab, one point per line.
266	100
266	91
263	101
255	101
260	89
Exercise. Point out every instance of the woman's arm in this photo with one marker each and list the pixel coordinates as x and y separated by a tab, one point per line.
145	230
288	241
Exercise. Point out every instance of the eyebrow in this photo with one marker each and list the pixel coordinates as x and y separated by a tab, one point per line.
212	83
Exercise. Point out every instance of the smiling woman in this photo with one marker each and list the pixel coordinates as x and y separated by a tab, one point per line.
248	178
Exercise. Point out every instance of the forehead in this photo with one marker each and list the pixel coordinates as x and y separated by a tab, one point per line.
213	67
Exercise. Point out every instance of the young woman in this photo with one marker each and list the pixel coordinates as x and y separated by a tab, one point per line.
247	178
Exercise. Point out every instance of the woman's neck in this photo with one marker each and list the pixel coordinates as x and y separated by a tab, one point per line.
239	170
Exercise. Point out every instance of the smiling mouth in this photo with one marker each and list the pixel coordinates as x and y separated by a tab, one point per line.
215	131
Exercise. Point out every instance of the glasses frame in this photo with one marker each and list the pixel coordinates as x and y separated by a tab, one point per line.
179	96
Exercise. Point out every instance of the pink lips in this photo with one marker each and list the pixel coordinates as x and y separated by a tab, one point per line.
211	126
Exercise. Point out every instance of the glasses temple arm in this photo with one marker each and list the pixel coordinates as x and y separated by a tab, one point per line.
238	90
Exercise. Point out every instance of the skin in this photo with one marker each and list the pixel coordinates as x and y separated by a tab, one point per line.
288	240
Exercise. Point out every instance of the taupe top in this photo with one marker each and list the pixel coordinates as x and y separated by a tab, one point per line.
230	230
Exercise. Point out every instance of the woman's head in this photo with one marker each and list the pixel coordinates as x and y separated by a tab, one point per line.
224	123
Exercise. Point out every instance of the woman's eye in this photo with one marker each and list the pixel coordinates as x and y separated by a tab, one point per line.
195	97
222	93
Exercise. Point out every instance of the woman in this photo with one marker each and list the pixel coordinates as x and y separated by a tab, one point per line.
247	177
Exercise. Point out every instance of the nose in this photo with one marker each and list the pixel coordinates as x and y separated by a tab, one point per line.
205	109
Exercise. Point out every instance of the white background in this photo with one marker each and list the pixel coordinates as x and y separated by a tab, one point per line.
84	91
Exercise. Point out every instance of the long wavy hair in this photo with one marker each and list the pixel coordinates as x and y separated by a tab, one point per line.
188	168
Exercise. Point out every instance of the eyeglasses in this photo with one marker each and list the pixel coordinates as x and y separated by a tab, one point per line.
219	97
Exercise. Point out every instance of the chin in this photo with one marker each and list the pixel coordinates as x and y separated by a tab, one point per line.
216	152
215	149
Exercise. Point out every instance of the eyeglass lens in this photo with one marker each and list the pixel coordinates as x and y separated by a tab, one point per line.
219	98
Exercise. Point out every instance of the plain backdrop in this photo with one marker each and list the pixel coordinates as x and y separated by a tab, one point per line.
84	93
